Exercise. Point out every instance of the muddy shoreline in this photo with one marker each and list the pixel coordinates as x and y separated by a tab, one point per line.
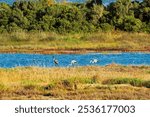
70	51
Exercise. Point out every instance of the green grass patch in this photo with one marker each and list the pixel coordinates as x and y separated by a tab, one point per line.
28	85
131	81
92	80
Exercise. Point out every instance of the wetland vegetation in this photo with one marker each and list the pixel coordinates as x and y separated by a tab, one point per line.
46	42
43	26
92	82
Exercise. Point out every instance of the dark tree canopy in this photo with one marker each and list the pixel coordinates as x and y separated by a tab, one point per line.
46	15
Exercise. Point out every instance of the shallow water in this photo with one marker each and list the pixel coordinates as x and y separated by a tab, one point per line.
13	60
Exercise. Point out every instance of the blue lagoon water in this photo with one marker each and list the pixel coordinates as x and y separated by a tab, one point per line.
41	60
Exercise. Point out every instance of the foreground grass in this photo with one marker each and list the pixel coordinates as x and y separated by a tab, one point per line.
46	42
93	82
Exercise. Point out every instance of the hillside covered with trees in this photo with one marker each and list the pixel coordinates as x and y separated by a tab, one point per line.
92	16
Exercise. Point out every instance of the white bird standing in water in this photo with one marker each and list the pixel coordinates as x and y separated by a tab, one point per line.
55	61
94	61
73	62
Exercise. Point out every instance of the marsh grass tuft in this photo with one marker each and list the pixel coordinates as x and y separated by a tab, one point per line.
50	86
131	81
91	80
67	84
136	82
146	84
19	36
28	85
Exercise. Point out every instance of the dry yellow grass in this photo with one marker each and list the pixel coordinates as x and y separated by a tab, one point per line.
46	42
72	83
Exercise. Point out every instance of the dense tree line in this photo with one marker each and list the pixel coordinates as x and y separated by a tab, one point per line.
46	15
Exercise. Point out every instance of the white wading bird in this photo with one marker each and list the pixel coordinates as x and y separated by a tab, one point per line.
94	61
73	62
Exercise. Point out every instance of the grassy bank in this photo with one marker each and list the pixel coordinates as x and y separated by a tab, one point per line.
109	82
45	42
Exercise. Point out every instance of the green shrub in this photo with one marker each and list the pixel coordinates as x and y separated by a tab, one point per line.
136	82
146	27
106	27
146	84
2	29
132	24
37	15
